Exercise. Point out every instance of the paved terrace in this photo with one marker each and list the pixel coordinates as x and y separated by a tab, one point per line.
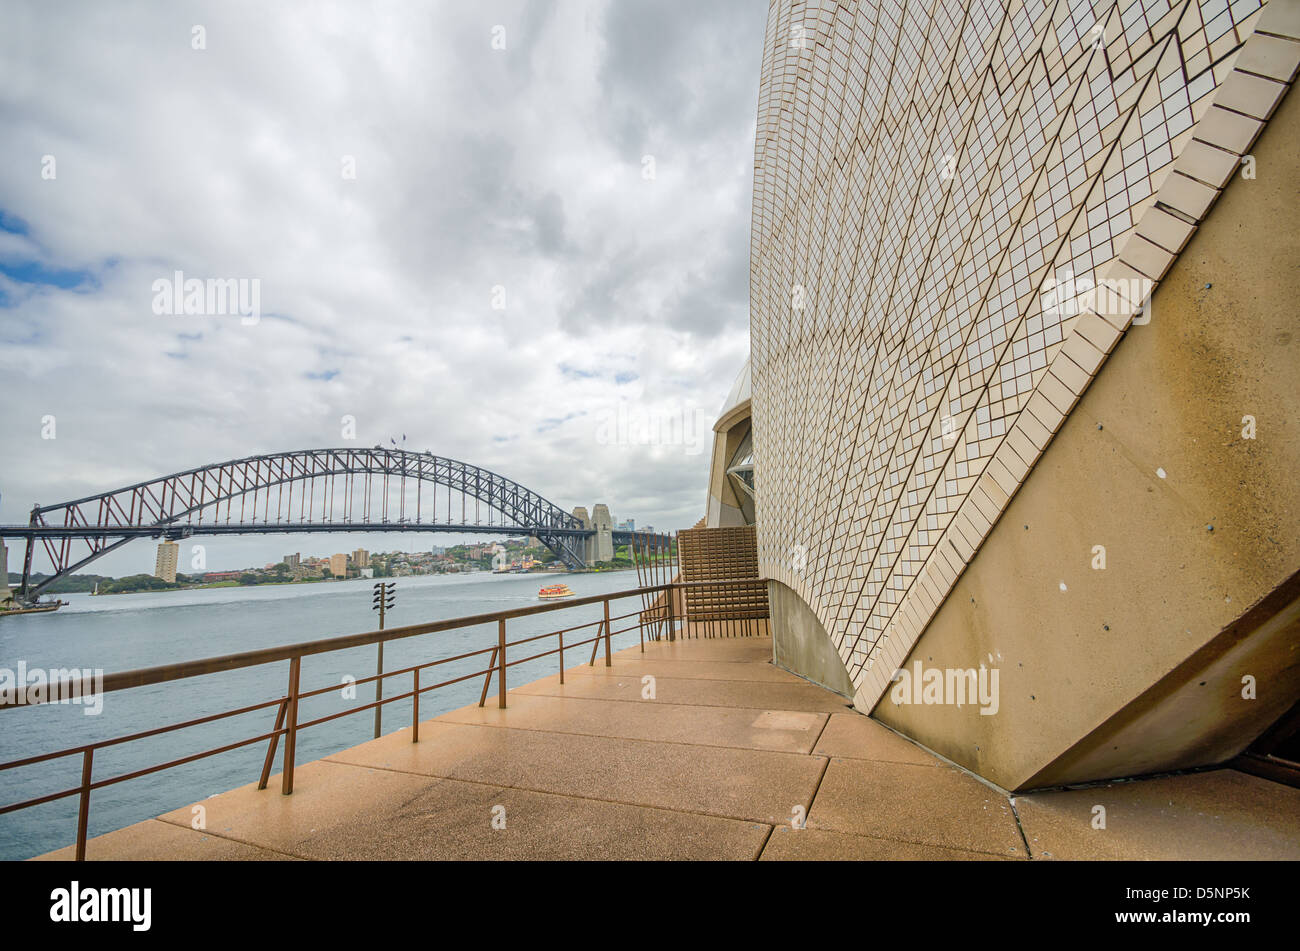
713	768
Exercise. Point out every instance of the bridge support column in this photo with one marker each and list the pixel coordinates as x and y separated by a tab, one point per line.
602	543
588	543
5	593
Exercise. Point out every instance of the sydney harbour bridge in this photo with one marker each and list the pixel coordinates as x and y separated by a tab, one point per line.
298	492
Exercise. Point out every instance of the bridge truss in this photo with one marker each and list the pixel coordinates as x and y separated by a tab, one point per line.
306	490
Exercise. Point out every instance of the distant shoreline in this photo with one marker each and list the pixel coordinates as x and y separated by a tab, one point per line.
278	584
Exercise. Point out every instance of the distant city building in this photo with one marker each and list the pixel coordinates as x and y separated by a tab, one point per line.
293	561
361	558
339	565
165	566
437	550
627	526
367	572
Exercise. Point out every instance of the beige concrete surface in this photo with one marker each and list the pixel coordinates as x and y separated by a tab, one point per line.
696	691
853	736
158	839
788	845
590	770
1222	814
736	727
800	644
923	805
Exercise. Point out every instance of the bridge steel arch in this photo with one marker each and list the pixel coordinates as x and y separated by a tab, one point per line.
205	501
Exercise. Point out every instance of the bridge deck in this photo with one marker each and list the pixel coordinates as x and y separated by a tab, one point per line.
712	768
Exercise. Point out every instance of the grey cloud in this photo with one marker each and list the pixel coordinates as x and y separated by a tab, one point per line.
474	168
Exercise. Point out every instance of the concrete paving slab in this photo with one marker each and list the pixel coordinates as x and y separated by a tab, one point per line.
696	692
340	812
754	785
739	728
154	839
853	736
1218	815
451	820
923	804
818	845
693	670
327	799
729	650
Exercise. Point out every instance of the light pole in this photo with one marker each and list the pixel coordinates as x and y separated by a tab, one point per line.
385	594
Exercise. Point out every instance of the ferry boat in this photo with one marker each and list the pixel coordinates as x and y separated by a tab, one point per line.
41	607
551	592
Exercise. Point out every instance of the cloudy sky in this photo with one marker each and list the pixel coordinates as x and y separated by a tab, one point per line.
387	175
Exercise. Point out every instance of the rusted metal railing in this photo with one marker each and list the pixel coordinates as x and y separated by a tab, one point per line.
287	723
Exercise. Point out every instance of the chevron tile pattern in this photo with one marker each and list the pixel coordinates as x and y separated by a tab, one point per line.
960	206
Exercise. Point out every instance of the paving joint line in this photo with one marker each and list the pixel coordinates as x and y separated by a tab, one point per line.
606	736
550	792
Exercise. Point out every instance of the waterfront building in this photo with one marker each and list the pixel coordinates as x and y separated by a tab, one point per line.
361	558
165	563
293	561
1017	310
339	565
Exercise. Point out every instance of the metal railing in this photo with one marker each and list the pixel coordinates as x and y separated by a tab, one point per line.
660	620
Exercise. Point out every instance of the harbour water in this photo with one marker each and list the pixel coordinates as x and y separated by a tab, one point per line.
123	632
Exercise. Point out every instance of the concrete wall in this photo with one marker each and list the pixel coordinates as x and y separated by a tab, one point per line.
1137	667
801	645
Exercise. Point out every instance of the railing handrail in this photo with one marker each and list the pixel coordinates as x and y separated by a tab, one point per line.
146	676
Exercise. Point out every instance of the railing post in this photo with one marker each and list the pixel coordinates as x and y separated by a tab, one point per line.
561	658
672	613
608	661
291	738
379	690
270	747
487	679
415	710
83	810
501	660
